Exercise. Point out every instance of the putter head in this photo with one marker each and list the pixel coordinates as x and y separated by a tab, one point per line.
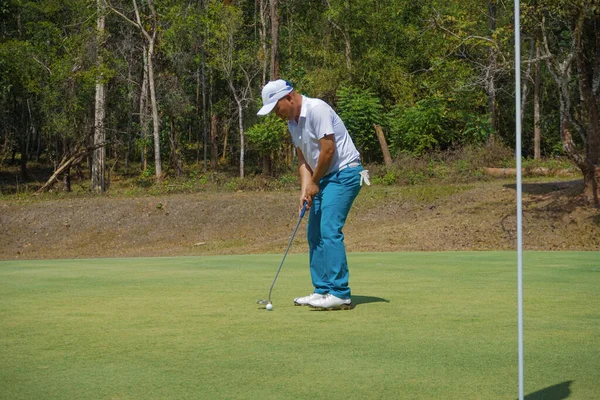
263	302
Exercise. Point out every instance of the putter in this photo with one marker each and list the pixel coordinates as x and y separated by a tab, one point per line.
268	300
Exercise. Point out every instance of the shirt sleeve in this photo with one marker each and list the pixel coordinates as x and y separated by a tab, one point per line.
321	121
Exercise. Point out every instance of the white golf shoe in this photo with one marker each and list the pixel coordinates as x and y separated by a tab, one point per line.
304	301
330	302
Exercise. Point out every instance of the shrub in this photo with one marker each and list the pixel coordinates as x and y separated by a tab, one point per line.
433	124
420	128
268	135
360	109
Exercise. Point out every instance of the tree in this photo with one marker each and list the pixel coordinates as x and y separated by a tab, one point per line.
149	35
268	136
274	7
99	155
56	101
492	66
262	30
537	136
234	57
360	110
568	31
431	74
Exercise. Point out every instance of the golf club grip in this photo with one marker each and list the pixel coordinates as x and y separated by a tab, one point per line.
303	209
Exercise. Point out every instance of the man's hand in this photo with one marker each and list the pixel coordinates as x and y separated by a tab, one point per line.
310	179
309	191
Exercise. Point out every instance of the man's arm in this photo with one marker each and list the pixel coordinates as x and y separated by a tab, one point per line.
310	179
305	173
327	151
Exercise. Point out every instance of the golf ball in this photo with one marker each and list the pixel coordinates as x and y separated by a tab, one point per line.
269	306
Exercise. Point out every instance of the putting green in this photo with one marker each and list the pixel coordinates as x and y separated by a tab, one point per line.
426	326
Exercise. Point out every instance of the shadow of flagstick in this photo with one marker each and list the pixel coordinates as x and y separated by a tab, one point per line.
556	392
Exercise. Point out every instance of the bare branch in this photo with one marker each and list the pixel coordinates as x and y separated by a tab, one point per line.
111	8
137	24
538	59
42	64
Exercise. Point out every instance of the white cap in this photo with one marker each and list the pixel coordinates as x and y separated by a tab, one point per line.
272	93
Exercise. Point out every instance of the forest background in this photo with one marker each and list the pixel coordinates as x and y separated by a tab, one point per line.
93	90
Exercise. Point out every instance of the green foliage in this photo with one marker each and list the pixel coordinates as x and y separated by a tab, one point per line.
360	109
420	70
476	129
389	178
268	135
420	128
432	124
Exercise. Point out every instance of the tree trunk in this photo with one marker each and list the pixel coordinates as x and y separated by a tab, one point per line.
67	181
26	126
214	151
566	138
537	135
274	39
561	72
263	4
267	165
491	70
99	155
225	137
591	171
155	120
346	37
129	128
526	80
150	40
240	126
204	122
175	150
274	72
198	106
242	149
23	150
591	184
387	158
144	110
291	35
68	161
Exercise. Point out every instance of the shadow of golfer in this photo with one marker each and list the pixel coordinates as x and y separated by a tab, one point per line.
357	300
556	392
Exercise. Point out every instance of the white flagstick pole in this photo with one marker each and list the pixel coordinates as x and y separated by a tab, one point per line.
519	193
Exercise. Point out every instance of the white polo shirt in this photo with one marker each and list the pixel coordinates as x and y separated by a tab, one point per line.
316	120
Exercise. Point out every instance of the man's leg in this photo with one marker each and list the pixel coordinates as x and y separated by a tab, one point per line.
315	246
337	195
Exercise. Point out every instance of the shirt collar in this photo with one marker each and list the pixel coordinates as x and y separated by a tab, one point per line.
304	107
303	111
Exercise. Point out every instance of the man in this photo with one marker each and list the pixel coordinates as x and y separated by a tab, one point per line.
331	176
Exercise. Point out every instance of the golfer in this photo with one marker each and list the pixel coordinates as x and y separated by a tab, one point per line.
331	176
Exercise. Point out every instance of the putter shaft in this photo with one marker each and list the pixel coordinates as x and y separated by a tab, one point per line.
286	251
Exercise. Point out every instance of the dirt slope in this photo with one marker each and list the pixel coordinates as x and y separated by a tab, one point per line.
480	216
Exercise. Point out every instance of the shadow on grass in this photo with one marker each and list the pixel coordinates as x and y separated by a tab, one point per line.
357	300
567	188
556	392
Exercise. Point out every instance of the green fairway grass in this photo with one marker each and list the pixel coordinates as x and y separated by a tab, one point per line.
425	326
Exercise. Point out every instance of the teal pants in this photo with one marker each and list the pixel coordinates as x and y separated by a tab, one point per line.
328	264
